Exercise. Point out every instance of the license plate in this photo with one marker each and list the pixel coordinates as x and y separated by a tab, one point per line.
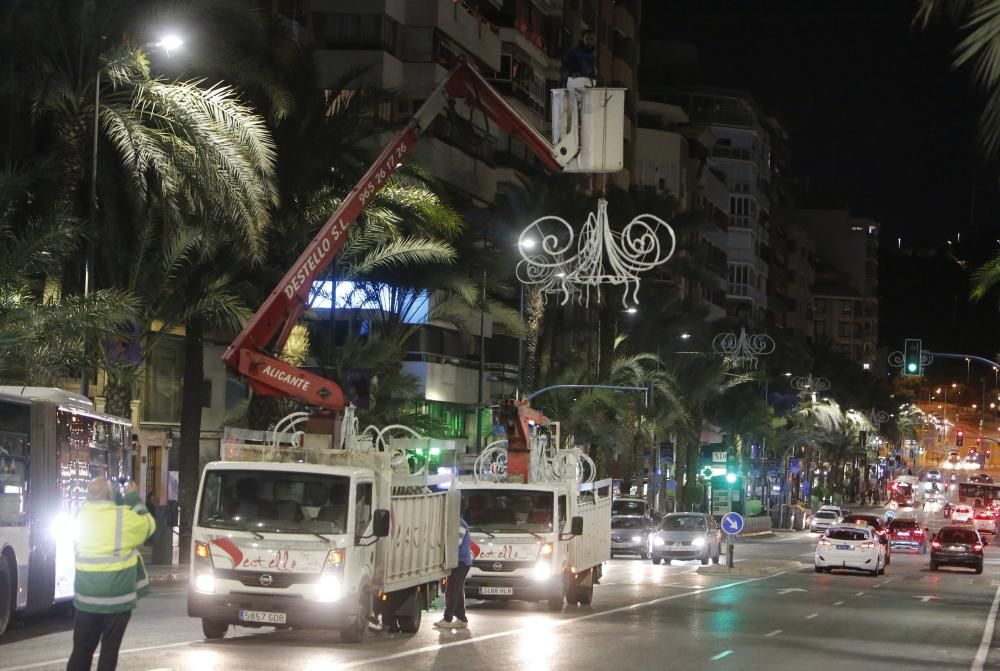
844	547
957	548
496	591
262	617
678	545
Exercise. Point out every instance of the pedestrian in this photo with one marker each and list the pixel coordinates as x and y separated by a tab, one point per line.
579	62
110	576
454	593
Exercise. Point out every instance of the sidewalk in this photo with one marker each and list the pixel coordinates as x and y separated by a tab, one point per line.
164	574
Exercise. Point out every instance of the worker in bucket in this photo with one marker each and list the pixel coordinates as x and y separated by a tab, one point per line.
578	67
454	593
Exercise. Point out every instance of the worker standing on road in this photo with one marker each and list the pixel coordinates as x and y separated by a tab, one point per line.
454	593
110	576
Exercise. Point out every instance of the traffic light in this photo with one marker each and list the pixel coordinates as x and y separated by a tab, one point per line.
730	478
911	357
959	436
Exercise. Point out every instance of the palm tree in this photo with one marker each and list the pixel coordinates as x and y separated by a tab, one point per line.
43	334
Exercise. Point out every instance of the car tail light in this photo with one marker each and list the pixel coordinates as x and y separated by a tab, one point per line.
868	544
824	542
935	544
977	547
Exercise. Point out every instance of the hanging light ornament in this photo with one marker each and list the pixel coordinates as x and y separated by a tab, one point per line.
813	385
558	262
743	349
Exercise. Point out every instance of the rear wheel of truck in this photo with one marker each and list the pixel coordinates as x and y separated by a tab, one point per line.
556	601
410	622
584	595
354	632
6	594
213	629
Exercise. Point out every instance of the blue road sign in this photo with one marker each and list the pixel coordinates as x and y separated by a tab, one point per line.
732	523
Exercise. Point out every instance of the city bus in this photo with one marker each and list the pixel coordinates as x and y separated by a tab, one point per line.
970	492
52	442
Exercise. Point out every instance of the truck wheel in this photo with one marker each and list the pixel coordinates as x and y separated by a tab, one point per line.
355	631
556	601
410	624
585	595
656	562
6	595
213	629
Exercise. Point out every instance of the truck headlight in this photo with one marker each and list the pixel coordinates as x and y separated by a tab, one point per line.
328	588
205	582
542	570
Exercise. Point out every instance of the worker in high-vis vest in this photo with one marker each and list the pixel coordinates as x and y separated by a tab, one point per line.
110	576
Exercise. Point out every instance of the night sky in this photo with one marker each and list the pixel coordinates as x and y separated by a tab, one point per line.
880	124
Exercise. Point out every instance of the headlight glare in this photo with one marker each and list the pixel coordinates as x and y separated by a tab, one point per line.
328	588
657	541
205	582
636	539
542	570
698	542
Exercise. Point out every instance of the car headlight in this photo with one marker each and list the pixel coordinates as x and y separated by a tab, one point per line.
698	542
205	582
328	588
657	541
636	539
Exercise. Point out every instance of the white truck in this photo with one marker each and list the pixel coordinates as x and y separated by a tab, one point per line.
539	534
317	538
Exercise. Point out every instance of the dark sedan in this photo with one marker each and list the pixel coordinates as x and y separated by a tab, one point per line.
958	546
630	535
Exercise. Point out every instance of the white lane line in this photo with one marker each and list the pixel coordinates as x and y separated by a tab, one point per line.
809	617
55	662
859	594
773	633
838	603
724	653
984	645
534	628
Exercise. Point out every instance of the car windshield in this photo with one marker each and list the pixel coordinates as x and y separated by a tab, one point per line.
683	523
847	534
510	510
872	521
903	524
626	522
950	535
628	507
274	501
826	514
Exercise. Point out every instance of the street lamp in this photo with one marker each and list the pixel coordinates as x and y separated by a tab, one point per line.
167	43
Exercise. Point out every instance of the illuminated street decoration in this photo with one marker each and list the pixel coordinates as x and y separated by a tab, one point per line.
878	418
743	349
896	358
558	262
810	384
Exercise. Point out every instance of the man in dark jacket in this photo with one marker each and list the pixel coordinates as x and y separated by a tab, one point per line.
110	576
579	62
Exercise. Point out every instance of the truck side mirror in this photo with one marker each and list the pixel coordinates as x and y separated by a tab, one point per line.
380	523
576	526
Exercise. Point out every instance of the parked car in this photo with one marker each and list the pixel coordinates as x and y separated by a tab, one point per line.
850	546
957	546
686	536
908	534
630	535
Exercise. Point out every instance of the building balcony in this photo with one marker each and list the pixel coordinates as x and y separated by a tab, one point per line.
624	20
475	35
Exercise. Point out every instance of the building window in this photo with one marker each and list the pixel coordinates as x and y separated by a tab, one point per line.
820	304
357	31
844	329
164	375
846	307
819	328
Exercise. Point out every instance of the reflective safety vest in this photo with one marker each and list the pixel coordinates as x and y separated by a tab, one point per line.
110	575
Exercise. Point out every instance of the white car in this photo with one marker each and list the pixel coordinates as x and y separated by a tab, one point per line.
824	519
961	514
850	546
933	475
985	522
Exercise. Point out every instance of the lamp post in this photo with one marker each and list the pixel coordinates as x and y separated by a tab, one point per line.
168	43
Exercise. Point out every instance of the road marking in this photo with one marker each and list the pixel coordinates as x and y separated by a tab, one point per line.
773	633
791	589
724	653
809	617
838	603
859	594
59	662
925	599
550	625
984	645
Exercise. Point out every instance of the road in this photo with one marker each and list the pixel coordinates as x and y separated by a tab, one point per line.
643	616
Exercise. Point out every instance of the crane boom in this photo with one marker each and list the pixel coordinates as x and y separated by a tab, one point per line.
254	353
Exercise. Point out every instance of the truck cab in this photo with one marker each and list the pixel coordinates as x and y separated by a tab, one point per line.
536	542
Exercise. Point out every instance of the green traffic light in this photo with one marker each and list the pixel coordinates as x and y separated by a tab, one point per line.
912	367
730	478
